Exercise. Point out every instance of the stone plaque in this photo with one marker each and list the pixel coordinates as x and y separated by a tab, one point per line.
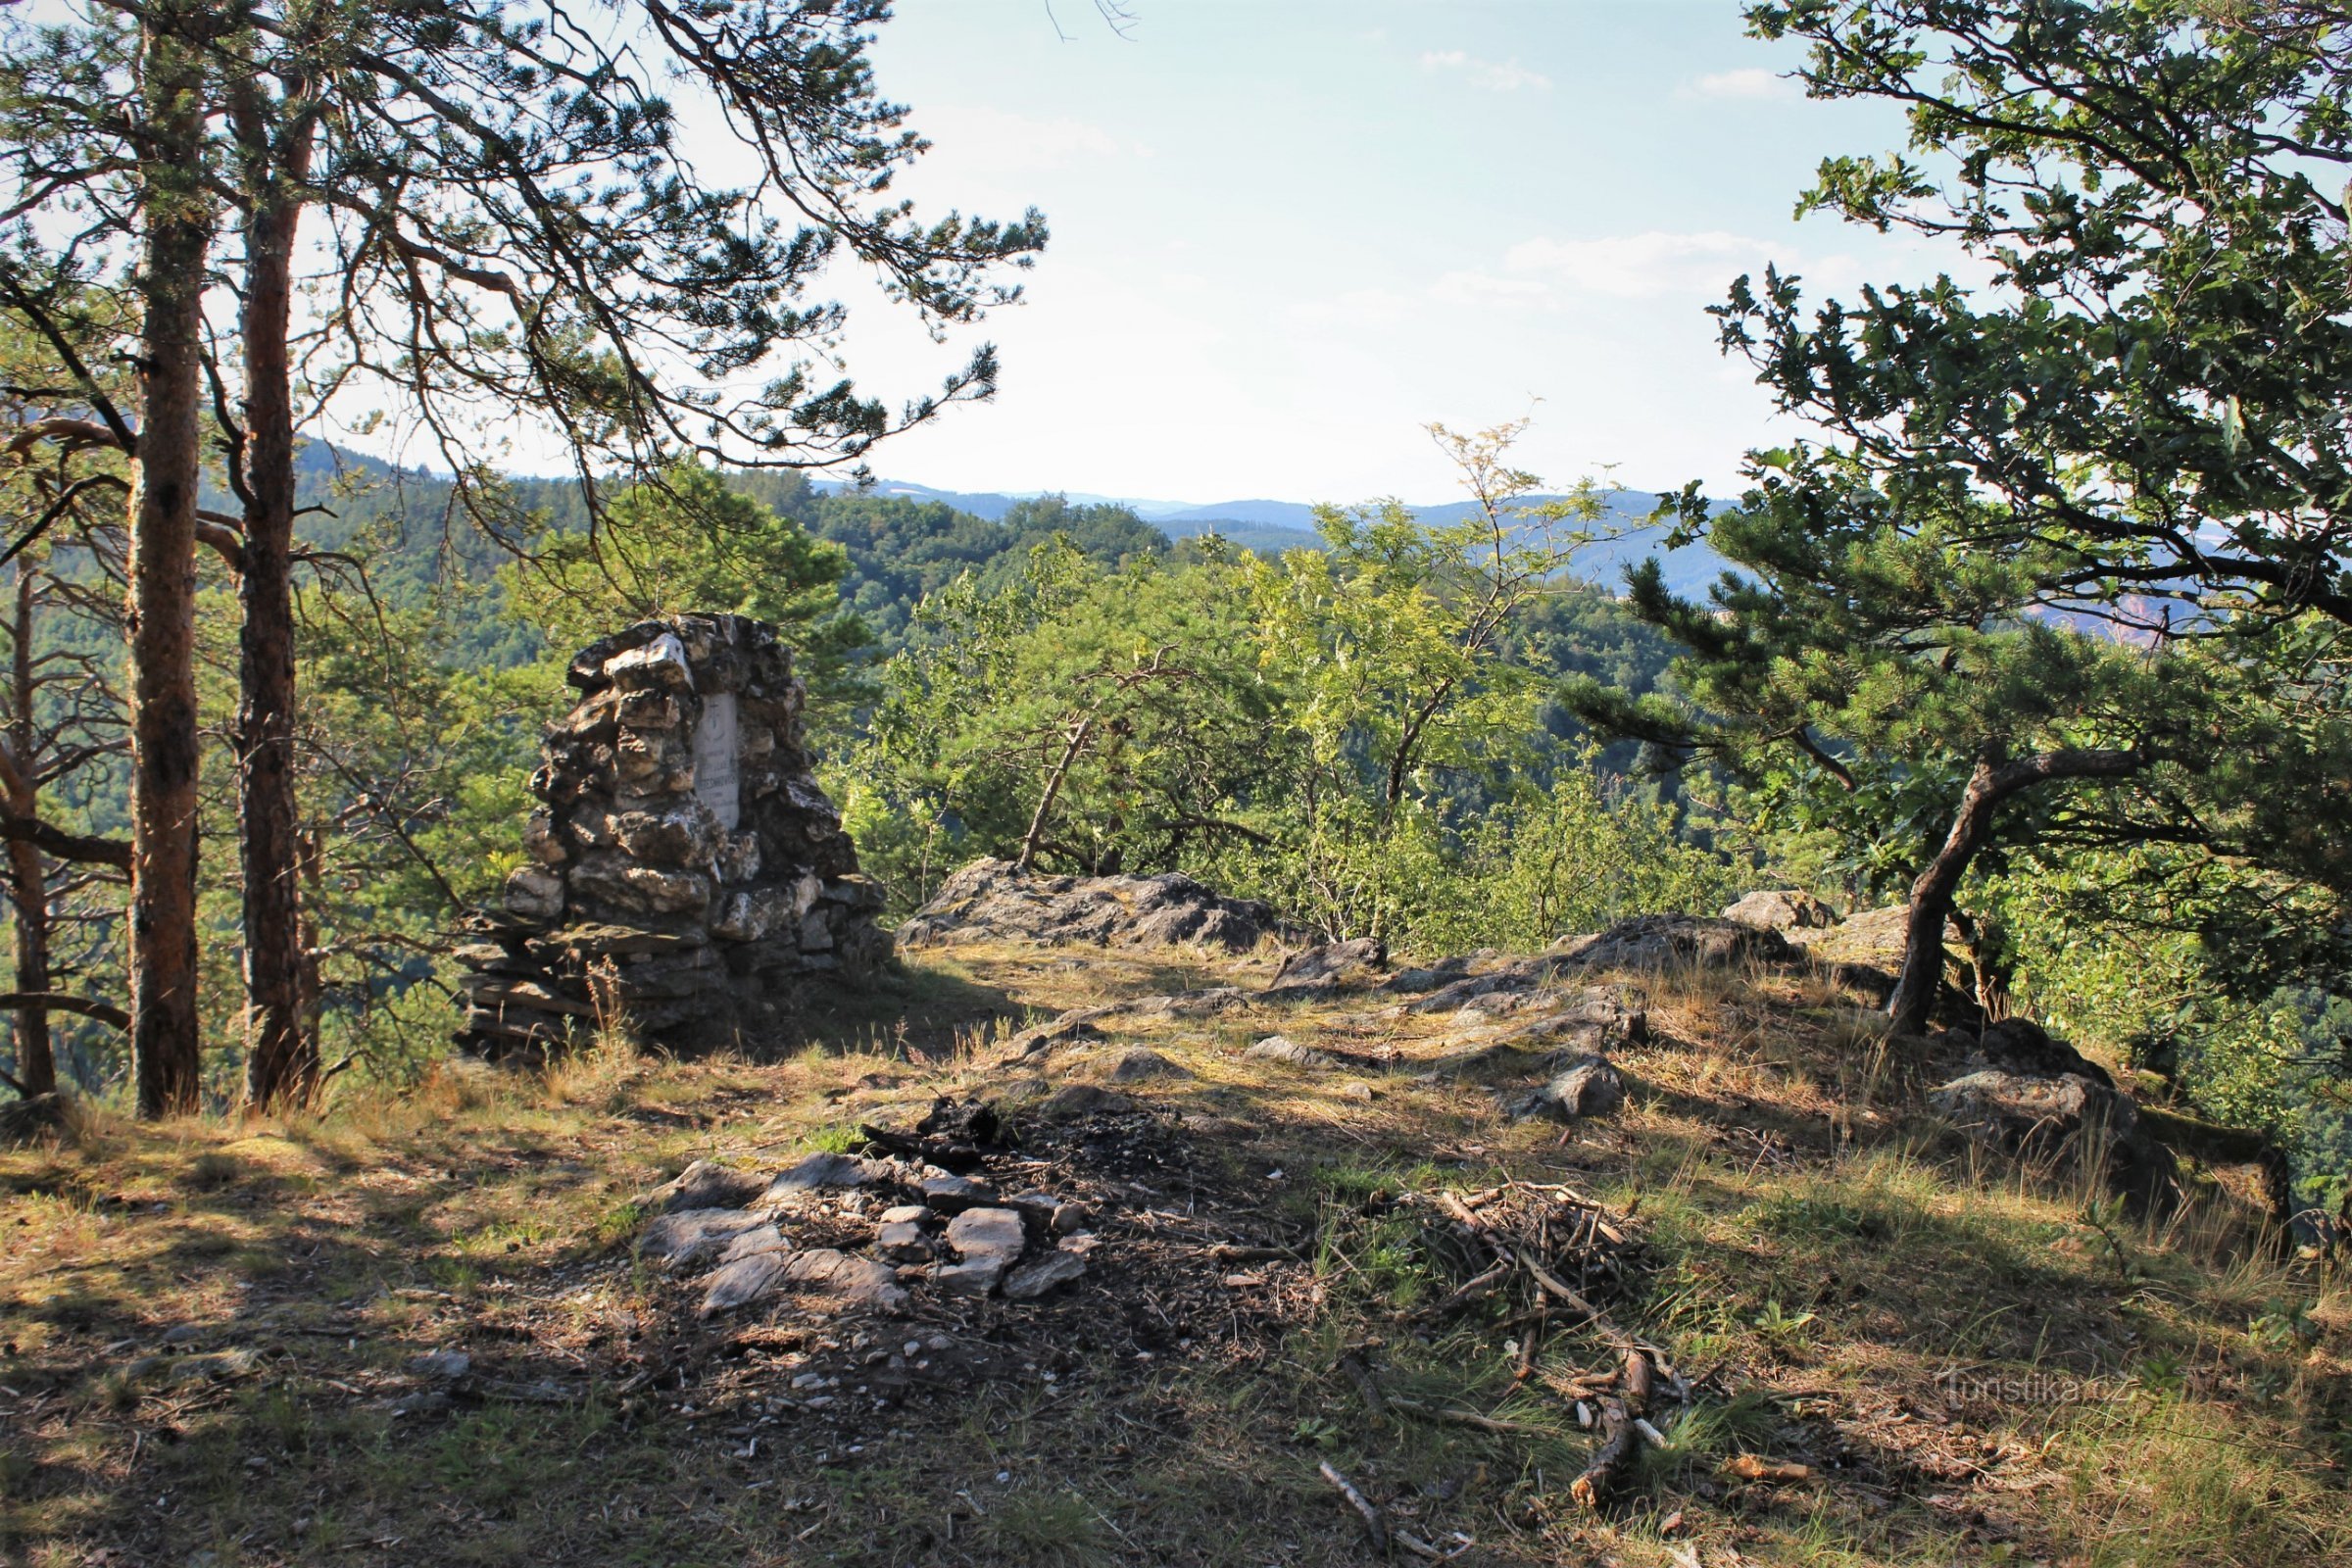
714	760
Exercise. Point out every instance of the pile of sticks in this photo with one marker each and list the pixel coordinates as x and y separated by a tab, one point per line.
1545	1244
1555	1249
1546	1251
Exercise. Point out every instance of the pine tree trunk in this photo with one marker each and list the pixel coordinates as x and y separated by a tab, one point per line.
27	884
178	211
282	1061
1915	987
1992	781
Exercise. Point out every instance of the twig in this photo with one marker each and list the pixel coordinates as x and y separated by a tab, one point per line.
1228	1253
1376	1523
1419	1547
1621	1426
1592	1313
1471	1418
1473	1289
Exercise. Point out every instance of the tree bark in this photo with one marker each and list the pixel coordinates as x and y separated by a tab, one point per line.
281	1051
165	1052
1993	780
1071	747
28	885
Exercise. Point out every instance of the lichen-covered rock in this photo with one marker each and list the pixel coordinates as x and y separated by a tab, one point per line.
2063	1116
1781	909
1328	969
1665	941
1590	1086
1278	1048
704	1184
692	1236
992	901
687	872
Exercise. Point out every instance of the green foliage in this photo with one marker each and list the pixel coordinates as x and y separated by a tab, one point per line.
417	778
2065	569
1355	733
687	540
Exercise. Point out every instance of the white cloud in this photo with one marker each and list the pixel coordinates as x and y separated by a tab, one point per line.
1508	76
1752	82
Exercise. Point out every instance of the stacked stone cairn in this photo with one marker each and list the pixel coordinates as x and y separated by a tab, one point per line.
686	871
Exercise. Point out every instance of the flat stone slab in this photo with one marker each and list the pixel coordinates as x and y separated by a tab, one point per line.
843	1282
752	1243
819	1171
986	1242
692	1236
1278	1048
953	1195
903	1241
987	1233
705	1184
742	1281
1138	1065
1033	1280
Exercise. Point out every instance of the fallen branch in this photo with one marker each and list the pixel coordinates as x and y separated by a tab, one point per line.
1471	1418
1376	1523
1473	1289
1620	1422
1618	1442
1232	1253
1749	1467
1419	1547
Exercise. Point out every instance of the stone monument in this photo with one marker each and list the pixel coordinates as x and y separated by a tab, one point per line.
686	870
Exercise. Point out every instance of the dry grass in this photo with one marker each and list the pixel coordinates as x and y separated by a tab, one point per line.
1975	1362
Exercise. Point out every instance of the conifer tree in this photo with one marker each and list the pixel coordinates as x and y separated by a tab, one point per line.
2073	526
506	226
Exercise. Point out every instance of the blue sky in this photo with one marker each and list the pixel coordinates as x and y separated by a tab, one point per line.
1288	233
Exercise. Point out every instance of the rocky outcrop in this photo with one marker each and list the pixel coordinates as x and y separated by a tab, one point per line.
1329	968
1781	909
993	901
686	871
1589	1086
1663	941
2040	1099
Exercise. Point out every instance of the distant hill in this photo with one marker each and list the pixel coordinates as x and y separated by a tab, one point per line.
1271	528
